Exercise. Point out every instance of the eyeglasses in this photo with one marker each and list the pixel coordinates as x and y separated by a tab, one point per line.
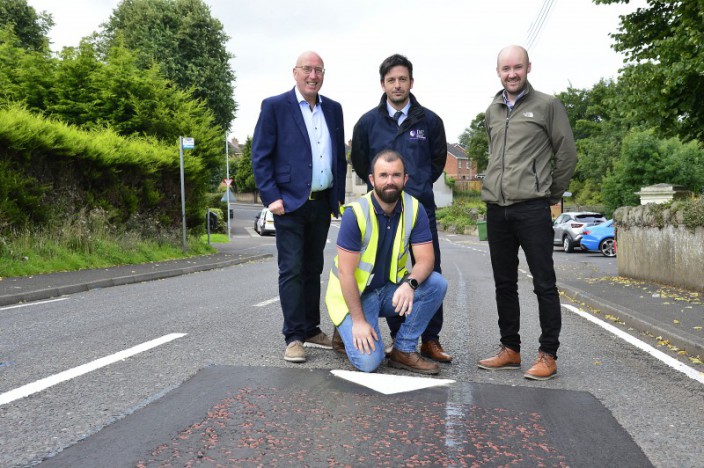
308	70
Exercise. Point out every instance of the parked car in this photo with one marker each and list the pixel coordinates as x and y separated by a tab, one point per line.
600	238
264	222
567	228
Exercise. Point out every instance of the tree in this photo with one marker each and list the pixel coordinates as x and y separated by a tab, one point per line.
26	76
647	160
30	27
598	128
663	85
187	42
244	175
475	141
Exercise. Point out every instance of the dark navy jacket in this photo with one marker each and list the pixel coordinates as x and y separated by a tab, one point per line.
420	139
282	159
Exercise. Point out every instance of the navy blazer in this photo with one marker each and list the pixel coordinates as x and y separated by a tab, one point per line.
282	158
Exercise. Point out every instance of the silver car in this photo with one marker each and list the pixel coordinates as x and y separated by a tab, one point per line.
567	228
264	222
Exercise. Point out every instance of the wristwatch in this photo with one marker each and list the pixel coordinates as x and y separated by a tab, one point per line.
413	283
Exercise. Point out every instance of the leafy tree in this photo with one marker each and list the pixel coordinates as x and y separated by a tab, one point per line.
187	42
244	175
476	142
598	128
647	160
26	76
663	85
30	27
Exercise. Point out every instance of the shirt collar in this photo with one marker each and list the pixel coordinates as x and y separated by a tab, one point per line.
301	99
378	210
392	111
520	95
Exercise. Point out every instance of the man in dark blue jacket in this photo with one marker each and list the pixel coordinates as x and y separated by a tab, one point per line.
298	158
400	123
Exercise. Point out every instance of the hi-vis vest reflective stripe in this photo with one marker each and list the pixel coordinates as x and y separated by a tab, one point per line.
368	225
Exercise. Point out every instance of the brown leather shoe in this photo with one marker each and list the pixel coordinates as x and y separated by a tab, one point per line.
506	358
433	350
544	368
337	343
413	362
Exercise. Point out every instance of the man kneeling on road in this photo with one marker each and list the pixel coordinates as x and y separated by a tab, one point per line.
369	278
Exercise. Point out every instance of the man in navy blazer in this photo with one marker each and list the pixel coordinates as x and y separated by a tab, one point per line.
298	158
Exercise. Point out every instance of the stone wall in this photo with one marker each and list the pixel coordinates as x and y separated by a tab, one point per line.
668	253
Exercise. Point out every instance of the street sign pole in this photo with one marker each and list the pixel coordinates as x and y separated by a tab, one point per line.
227	186
183	194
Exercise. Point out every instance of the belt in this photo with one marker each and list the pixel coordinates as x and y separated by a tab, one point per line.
321	195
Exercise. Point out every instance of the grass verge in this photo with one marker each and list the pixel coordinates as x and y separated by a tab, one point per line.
89	242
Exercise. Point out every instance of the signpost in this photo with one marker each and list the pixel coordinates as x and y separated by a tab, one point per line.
184	143
228	181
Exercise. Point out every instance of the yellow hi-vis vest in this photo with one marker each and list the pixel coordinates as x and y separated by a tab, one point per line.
369	227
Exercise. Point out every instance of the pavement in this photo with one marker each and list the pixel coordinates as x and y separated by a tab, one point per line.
675	315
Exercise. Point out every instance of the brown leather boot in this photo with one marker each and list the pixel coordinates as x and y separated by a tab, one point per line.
433	350
413	362
337	343
544	368
506	358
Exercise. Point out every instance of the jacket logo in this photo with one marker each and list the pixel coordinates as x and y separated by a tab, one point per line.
417	134
528	114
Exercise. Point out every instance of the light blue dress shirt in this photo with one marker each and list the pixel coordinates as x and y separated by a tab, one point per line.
320	143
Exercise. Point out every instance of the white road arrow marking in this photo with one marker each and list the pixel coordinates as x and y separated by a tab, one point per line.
389	384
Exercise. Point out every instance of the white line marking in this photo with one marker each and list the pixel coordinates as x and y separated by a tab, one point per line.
657	354
33	303
389	384
50	381
266	303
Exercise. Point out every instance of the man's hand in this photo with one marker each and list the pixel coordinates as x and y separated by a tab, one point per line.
402	299
364	336
277	207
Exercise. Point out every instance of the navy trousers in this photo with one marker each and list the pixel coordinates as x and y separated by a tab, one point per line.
300	240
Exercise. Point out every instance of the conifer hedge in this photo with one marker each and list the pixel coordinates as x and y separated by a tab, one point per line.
50	170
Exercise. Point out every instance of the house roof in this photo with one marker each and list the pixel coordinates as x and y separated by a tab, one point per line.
456	151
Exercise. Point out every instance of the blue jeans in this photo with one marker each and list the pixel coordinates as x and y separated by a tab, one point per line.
377	303
527	225
432	331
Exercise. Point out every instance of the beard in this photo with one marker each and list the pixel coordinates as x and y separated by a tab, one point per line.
388	196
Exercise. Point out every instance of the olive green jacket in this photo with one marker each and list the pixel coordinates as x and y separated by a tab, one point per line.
532	153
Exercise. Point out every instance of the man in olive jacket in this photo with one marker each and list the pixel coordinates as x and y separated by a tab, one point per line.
532	157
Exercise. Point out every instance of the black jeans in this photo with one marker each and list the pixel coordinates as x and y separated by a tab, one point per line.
432	331
300	241
527	225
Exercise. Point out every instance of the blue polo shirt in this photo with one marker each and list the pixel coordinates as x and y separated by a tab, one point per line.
350	237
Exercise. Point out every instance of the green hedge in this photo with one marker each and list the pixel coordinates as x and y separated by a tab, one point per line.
49	170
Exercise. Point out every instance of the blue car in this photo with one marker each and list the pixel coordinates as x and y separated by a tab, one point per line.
600	238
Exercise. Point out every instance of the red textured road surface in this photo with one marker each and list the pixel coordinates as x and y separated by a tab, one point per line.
251	416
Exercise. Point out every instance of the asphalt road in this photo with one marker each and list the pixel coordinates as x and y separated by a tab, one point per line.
232	317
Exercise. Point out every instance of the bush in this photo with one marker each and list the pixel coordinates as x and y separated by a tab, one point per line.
466	209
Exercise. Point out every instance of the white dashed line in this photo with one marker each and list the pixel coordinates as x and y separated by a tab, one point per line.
33	303
266	303
50	381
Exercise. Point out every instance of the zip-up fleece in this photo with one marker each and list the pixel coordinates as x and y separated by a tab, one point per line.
420	139
532	153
